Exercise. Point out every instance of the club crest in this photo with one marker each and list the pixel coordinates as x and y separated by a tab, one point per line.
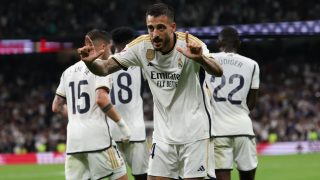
150	54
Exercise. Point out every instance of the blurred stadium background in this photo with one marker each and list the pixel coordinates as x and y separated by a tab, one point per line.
38	41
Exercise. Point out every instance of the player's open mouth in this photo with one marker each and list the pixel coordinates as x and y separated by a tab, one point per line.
157	44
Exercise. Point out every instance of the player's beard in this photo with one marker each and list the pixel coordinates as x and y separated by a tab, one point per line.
164	44
157	43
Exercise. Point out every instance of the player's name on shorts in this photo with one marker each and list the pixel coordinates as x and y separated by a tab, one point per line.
231	62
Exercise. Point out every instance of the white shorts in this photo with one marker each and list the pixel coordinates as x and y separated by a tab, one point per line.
241	149
211	163
136	154
95	165
174	160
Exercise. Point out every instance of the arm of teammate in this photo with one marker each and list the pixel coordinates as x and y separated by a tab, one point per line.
59	106
99	67
252	98
194	52
103	101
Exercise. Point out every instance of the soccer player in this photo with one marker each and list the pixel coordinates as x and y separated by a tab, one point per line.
91	153
171	61
126	96
234	95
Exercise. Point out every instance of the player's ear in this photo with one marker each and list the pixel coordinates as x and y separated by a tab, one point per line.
174	26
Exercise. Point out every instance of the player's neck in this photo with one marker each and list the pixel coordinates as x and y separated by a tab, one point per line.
119	48
228	49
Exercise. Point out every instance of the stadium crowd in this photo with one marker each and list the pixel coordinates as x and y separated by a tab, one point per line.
64	19
27	122
288	104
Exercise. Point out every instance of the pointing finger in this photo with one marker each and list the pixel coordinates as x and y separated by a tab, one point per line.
187	37
88	41
99	53
83	50
80	50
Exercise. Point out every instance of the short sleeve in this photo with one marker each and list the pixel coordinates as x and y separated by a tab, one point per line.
255	77
128	57
103	82
61	90
205	50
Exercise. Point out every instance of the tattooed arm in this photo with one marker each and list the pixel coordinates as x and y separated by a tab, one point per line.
59	106
103	67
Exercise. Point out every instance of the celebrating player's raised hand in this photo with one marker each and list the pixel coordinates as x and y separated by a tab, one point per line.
193	50
88	52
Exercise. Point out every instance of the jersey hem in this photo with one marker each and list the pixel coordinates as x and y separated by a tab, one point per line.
105	176
184	142
235	135
132	141
224	169
91	151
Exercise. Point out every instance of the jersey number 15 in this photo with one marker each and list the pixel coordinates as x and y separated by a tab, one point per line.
81	95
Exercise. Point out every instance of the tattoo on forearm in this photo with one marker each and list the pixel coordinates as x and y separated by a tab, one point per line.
60	104
112	66
106	108
60	109
103	67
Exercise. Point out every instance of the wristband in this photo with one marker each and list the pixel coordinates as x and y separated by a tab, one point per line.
106	108
124	129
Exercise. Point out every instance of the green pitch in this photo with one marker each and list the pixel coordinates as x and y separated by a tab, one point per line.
291	167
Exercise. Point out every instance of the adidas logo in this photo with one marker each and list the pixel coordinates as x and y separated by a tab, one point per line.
201	168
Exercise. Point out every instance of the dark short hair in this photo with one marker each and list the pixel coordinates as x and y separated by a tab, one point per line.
230	36
159	9
98	34
122	35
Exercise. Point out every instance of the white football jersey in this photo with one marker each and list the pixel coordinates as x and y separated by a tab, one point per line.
126	96
179	110
229	94
87	128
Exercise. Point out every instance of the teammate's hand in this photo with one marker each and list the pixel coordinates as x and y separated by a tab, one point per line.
192	51
88	53
125	140
126	132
